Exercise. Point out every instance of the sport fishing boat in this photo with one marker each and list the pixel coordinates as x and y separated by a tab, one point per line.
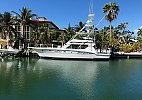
81	46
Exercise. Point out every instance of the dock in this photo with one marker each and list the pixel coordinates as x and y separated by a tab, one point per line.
26	53
130	55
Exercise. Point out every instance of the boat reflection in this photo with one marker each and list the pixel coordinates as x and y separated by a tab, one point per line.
24	75
78	75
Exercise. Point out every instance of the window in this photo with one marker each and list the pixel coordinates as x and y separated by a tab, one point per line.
17	28
3	35
75	46
26	32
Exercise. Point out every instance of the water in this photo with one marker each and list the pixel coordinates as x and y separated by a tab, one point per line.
42	79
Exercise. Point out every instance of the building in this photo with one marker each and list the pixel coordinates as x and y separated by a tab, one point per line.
25	31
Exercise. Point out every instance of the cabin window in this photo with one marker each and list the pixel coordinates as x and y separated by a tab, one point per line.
75	46
84	46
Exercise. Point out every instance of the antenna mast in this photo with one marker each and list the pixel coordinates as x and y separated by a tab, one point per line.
91	7
91	15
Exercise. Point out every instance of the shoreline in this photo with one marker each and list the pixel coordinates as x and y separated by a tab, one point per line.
115	55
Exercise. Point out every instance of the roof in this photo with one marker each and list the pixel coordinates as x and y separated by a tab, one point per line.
43	20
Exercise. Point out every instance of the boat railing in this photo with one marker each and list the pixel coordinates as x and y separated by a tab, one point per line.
45	45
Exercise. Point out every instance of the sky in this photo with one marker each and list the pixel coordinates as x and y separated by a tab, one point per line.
65	12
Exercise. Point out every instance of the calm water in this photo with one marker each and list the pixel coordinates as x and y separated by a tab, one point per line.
42	79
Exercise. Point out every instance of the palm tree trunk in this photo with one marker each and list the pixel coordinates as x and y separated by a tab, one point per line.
22	33
8	32
22	30
111	43
7	40
110	35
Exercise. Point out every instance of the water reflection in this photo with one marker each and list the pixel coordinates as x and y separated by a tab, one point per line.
24	78
12	75
79	75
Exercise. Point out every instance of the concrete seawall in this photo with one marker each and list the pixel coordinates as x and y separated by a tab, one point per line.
116	55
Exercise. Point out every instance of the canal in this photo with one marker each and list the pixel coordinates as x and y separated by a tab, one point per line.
43	79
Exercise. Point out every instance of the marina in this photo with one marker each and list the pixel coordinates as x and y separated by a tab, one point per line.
62	54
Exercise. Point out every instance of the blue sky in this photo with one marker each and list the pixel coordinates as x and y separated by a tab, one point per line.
63	12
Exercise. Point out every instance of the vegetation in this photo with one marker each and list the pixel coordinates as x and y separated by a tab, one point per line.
140	37
6	21
70	32
117	36
24	19
111	10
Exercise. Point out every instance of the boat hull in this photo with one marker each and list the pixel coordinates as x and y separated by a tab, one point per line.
72	55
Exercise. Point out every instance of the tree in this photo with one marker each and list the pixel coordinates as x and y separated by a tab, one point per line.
103	38
121	32
24	18
6	22
140	37
140	32
79	26
111	11
122	26
62	38
70	32
34	37
42	35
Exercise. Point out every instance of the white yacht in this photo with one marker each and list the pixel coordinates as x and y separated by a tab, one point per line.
81	46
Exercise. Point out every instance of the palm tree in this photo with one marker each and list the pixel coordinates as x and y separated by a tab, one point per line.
122	26
62	37
42	35
70	32
24	18
139	32
103	41
121	32
6	22
140	37
111	10
79	26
